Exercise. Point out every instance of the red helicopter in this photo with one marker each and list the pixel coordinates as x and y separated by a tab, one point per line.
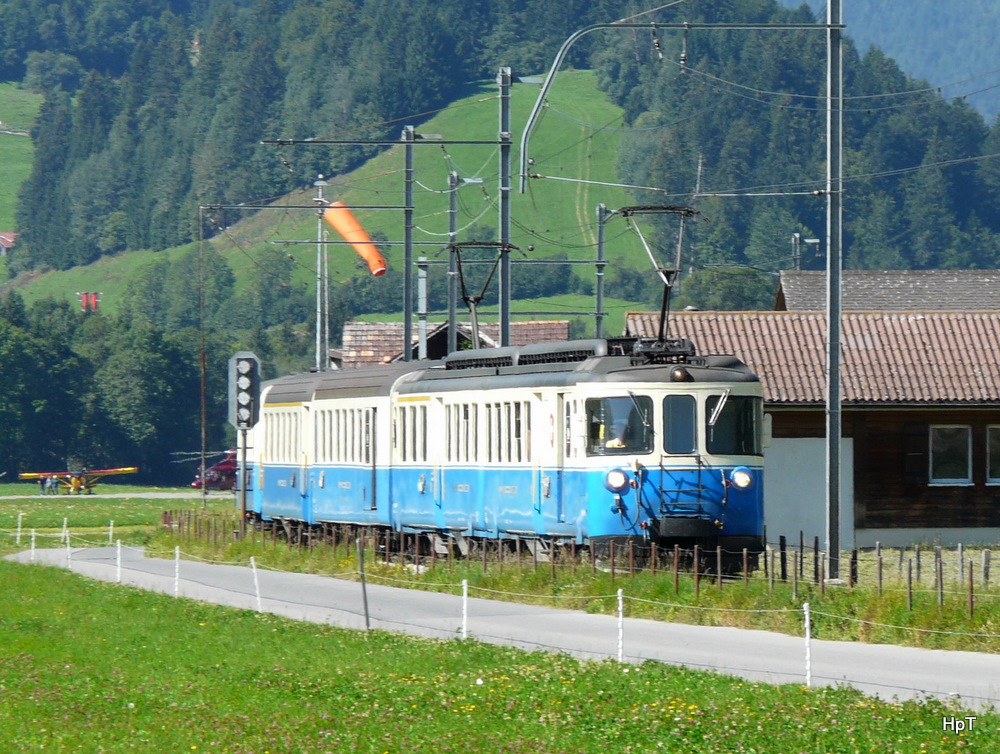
221	476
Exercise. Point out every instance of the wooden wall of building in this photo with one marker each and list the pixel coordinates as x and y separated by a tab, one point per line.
891	466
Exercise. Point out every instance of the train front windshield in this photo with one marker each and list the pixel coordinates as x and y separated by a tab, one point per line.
624	425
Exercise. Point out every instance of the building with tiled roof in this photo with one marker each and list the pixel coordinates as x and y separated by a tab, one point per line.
366	343
889	358
891	290
920	418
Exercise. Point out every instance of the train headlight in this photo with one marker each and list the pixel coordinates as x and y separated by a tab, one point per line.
741	477
616	481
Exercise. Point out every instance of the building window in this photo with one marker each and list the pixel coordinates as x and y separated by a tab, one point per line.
951	454
993	455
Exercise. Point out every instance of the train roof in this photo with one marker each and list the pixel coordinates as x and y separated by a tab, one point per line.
535	365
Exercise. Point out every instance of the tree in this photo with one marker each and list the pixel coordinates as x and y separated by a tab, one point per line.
149	390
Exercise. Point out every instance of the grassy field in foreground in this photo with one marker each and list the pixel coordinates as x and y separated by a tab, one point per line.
90	666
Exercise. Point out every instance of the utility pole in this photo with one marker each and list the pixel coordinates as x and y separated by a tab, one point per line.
504	138
834	223
408	137
453	182
321	314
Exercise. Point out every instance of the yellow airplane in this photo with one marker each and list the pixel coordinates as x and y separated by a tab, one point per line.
76	482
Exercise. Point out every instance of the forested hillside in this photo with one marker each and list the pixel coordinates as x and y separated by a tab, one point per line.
749	108
155	108
950	45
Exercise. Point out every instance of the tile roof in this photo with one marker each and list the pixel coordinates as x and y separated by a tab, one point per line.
889	358
892	290
380	342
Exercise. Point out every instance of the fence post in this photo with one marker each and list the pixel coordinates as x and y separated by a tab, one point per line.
32	556
256	583
718	564
17	540
677	568
111	531
802	553
795	575
177	570
909	585
939	577
972	596
465	608
621	627
697	572
364	584
118	562
986	568
808	632
783	557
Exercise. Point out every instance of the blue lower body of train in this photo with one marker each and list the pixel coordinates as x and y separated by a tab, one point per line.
686	504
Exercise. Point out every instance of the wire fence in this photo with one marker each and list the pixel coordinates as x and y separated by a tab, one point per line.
805	613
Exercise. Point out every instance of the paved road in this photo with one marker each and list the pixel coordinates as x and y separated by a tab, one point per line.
881	670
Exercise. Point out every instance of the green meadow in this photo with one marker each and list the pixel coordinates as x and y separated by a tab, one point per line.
94	667
87	666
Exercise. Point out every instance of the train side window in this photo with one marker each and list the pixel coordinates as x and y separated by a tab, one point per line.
679	424
619	425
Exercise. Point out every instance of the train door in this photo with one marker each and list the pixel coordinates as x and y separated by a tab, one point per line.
549	466
371	455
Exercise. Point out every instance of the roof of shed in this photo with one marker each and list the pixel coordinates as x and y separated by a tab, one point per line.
892	290
889	358
381	342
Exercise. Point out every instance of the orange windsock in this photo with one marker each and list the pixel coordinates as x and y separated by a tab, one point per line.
344	222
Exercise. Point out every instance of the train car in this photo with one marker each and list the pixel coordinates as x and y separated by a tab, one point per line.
587	442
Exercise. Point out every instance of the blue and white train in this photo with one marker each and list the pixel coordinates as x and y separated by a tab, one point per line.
587	442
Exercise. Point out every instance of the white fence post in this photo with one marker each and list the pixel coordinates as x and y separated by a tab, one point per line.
32	557
111	532
805	610
256	583
177	570
65	531
621	627
18	540
118	563
465	608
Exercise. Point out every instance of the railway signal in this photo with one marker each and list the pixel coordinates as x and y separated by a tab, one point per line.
244	389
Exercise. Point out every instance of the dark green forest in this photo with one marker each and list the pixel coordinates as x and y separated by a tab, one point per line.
153	108
951	45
